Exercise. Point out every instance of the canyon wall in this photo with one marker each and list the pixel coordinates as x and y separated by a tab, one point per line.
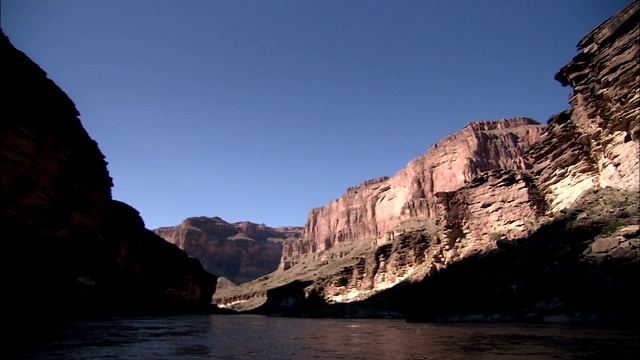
578	200
240	252
458	216
595	143
71	249
495	207
375	207
508	222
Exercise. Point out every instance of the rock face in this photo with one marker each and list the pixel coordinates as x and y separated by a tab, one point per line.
71	248
374	207
578	267
240	252
146	266
595	144
468	219
496	207
503	221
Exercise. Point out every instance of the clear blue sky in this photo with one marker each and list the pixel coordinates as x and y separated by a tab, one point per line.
262	110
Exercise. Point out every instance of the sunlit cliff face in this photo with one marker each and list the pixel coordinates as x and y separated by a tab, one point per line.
563	195
374	207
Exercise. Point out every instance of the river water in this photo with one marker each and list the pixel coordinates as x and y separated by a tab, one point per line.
260	337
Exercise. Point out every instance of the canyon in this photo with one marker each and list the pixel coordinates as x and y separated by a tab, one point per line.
505	220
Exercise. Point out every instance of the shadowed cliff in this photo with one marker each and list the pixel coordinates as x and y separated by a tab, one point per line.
71	249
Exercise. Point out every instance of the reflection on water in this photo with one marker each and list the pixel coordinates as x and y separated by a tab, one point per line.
258	337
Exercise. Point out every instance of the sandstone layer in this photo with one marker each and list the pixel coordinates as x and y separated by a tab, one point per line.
498	206
72	250
240	252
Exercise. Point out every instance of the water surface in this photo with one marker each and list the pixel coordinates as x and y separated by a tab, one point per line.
259	337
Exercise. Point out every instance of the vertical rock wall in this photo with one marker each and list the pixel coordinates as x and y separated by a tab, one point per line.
596	143
375	207
55	186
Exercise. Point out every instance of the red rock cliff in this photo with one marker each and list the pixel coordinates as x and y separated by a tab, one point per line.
376	206
493	245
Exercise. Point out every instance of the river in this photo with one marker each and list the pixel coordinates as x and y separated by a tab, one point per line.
260	337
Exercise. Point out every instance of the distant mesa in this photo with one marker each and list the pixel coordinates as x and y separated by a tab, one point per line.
239	252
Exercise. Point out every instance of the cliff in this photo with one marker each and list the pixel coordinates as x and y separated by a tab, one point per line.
595	143
375	207
420	197
508	222
72	250
240	252
496	207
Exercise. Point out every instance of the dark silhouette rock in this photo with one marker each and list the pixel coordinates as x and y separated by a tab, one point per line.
70	249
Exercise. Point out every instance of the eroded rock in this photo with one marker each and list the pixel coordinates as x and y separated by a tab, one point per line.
530	233
596	143
376	206
240	252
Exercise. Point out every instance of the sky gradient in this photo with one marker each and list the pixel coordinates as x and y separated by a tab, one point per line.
263	110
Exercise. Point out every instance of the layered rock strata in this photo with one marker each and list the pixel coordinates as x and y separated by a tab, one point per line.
549	238
579	267
596	143
240	252
71	249
494	208
498	205
374	207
